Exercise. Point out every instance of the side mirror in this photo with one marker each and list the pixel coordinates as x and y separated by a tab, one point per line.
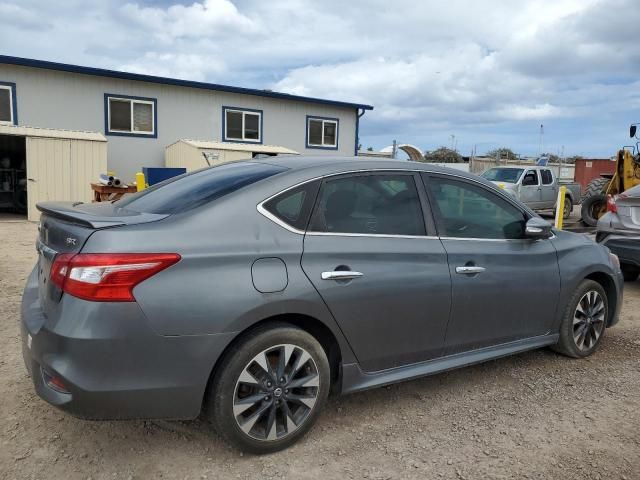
632	131
536	227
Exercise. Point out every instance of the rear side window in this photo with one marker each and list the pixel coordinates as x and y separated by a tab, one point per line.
381	204
293	207
547	178
191	190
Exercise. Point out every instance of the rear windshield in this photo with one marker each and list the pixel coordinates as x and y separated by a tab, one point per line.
193	189
508	175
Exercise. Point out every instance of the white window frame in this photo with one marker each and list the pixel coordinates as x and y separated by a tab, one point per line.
324	121
131	102
11	120
244	114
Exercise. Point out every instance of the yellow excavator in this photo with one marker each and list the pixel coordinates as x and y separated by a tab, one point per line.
625	176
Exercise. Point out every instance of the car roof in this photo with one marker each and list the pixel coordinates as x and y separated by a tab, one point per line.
325	165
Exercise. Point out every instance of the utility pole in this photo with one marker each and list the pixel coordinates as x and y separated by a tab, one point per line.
541	144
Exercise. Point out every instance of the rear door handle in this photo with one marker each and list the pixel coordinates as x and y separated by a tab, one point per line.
469	270
340	275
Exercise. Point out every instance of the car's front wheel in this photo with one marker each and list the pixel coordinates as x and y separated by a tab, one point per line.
584	320
268	391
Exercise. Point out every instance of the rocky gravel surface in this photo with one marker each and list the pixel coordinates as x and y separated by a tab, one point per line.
536	415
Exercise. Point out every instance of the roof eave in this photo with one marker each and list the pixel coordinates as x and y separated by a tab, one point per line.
139	77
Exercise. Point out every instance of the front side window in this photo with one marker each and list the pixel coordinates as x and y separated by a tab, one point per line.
530	178
242	125
464	210
131	116
322	132
547	178
7	107
380	204
507	175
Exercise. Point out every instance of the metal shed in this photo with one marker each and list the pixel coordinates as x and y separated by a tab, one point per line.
194	154
55	164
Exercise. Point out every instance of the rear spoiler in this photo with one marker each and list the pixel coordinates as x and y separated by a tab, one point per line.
97	216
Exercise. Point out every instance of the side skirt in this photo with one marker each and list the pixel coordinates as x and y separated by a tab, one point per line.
355	380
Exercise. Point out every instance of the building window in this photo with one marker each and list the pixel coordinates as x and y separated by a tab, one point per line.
322	133
8	110
241	125
130	116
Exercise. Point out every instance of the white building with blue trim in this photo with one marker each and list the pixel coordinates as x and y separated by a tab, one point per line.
142	114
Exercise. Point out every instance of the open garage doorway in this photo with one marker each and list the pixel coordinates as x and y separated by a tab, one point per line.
44	165
13	175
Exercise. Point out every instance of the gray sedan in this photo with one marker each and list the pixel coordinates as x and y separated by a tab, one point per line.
251	290
619	230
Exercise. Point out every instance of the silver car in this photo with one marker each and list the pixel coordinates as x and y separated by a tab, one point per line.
251	290
619	230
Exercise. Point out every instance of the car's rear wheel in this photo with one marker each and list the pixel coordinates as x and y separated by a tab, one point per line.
584	320
269	390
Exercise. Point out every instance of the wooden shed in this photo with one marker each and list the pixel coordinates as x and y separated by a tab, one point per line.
50	164
195	154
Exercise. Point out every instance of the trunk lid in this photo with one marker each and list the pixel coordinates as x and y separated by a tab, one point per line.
65	227
629	211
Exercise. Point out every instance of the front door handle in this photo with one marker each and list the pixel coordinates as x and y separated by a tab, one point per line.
341	275
469	270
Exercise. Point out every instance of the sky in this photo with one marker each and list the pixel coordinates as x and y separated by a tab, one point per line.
483	74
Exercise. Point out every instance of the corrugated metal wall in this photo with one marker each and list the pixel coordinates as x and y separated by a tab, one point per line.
589	168
62	170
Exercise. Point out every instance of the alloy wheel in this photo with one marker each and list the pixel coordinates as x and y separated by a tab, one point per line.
588	320
276	392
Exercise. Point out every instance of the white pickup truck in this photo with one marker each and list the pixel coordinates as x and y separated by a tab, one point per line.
535	186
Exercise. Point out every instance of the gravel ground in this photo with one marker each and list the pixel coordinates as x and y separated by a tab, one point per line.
534	415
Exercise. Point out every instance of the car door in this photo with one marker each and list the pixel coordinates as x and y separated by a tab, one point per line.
504	287
548	192
530	193
385	279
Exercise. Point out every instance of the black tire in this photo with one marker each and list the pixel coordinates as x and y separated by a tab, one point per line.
591	208
226	385
630	272
568	344
595	187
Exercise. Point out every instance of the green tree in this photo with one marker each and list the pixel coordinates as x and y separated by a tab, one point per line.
369	149
443	155
503	153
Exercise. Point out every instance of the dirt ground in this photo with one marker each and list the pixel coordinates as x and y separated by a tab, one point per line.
534	415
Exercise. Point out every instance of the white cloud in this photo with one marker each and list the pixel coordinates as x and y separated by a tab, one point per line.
487	71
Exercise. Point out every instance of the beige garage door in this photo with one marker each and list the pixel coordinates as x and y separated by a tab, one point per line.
62	170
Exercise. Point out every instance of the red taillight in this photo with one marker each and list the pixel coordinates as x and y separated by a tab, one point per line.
611	204
107	277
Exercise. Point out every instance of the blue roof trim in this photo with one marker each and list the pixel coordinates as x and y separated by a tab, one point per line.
101	72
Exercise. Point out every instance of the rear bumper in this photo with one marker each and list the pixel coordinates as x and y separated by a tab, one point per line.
626	245
113	365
